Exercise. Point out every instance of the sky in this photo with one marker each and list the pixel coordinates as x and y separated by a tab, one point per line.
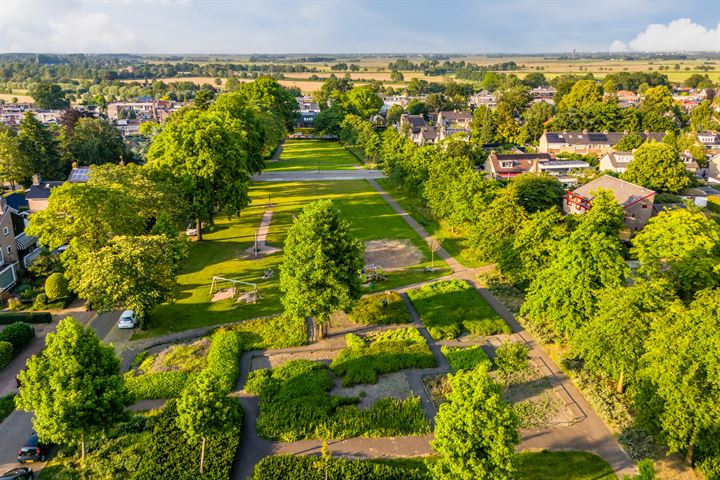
358	26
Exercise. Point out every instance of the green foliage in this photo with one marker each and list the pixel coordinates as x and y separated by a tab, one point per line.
48	96
267	95
14	167
512	357
364	101
583	95
74	388
448	308
223	361
295	405
157	384
492	231
6	318
319	273
475	431
466	358
483	128
308	467
369	310
56	286
7	405
385	352
710	468
6	353
657	166
39	149
629	143
95	141
273	332
18	335
562	465
537	192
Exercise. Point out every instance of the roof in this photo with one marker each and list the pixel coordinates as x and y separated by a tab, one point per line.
597	138
428	133
416	121
454	116
625	193
521	156
564	164
23	242
42	190
79	175
616	162
16	200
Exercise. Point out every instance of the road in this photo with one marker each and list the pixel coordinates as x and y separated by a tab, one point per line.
17	427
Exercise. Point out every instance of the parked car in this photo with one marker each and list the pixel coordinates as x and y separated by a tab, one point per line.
33	451
128	319
20	473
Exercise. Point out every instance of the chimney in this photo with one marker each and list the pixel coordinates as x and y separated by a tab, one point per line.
74	165
585	131
36	179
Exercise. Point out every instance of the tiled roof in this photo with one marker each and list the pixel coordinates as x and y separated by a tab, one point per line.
625	193
596	138
42	190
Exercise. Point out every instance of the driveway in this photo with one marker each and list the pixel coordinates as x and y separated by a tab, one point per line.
13	432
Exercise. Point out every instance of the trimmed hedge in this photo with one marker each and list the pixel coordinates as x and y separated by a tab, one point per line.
290	467
18	334
466	358
224	357
6	353
387	352
6	318
157	385
369	310
56	287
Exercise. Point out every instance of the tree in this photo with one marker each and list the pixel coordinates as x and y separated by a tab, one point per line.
629	142
495	225
209	155
204	409
328	120
613	341
483	129
364	101
39	149
14	167
582	96
537	192
267	95
74	387
476	431
512	357
320	270
95	142
536	117
393	114
657	166
133	273
48	96
683	245
681	364
396	76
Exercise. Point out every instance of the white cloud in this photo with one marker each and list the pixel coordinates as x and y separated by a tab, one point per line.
679	35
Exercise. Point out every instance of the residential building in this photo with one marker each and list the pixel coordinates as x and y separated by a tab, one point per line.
413	124
509	165
16	248
427	135
586	142
627	98
128	128
615	161
131	110
637	201
450	123
39	193
543	94
714	169
711	140
309	109
483	98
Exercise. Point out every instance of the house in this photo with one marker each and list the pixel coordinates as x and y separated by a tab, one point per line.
39	193
627	98
413	124
690	163
507	166
714	169
483	98
427	135
122	110
128	127
637	201
586	142
16	248
615	161
543	94
450	123
711	140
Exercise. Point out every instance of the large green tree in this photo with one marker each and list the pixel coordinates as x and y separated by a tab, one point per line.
537	192
211	159
74	387
94	141
40	149
14	168
495	225
483	128
364	100
268	95
657	166
320	271
475	431
583	95
48	96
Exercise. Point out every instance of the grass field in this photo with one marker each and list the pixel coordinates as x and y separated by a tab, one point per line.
563	466
313	155
223	250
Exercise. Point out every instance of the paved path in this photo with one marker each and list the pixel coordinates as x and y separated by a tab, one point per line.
317	175
277	152
262	248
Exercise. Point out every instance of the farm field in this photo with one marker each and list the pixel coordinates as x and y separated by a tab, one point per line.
313	155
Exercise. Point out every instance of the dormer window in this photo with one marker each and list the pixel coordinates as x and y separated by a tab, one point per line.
507	164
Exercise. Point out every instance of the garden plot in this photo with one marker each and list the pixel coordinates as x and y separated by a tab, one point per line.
391	254
275	360
392	385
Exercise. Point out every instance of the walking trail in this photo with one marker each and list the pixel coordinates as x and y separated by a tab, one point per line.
261	248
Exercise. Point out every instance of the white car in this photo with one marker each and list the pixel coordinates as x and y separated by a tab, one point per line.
128	319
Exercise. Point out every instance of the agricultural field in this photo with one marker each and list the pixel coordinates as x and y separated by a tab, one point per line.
313	155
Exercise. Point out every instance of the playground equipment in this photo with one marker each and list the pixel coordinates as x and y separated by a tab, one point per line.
241	292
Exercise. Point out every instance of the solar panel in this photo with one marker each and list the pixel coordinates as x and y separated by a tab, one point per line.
597	137
79	175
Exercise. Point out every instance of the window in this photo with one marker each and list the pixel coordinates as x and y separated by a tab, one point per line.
9	249
6	230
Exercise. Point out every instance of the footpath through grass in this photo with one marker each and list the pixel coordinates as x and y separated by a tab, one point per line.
301	155
223	252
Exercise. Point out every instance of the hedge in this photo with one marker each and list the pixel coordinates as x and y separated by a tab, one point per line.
18	334
6	318
466	358
6	353
170	455
290	467
157	385
56	287
224	357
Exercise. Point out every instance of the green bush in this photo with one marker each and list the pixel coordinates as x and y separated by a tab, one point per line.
224	357
18	334
56	287
6	353
448	308
369	310
170	455
512	357
466	358
157	385
6	318
287	467
710	468
7	405
28	293
387	352
257	380
295	405
272	332
714	203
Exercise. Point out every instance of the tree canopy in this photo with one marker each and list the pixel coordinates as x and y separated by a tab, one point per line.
94	142
657	166
48	96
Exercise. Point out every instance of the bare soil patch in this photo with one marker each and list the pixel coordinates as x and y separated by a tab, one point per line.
274	360
393	385
392	254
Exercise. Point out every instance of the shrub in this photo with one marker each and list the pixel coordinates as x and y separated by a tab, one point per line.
272	332
14	303
710	468
369	310
7	318
224	357
170	455
447	308
7	405
714	203
28	293
295	405
512	357
45	265
18	334
257	380
56	287
389	351
466	358
314	468
6	353
157	385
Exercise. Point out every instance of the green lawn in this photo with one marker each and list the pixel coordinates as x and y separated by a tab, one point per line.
563	466
413	205
223	250
313	155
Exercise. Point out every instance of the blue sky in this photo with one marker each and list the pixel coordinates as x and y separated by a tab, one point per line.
357	26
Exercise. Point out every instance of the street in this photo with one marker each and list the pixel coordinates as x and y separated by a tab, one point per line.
17	427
